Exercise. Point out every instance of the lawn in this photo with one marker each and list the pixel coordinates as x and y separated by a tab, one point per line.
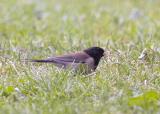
127	80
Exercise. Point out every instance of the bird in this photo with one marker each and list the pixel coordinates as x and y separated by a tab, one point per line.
85	61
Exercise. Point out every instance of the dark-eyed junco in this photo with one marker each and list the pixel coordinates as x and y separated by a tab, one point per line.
86	60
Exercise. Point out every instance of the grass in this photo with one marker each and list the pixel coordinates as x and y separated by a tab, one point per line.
122	84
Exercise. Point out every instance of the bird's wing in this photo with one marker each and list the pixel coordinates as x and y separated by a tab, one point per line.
80	57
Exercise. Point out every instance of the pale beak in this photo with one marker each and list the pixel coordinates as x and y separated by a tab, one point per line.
104	54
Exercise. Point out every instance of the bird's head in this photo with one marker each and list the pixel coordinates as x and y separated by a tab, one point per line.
96	53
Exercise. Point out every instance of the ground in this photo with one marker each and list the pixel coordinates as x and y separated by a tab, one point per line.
126	81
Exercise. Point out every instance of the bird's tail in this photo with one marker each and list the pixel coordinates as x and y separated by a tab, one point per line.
38	61
56	63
